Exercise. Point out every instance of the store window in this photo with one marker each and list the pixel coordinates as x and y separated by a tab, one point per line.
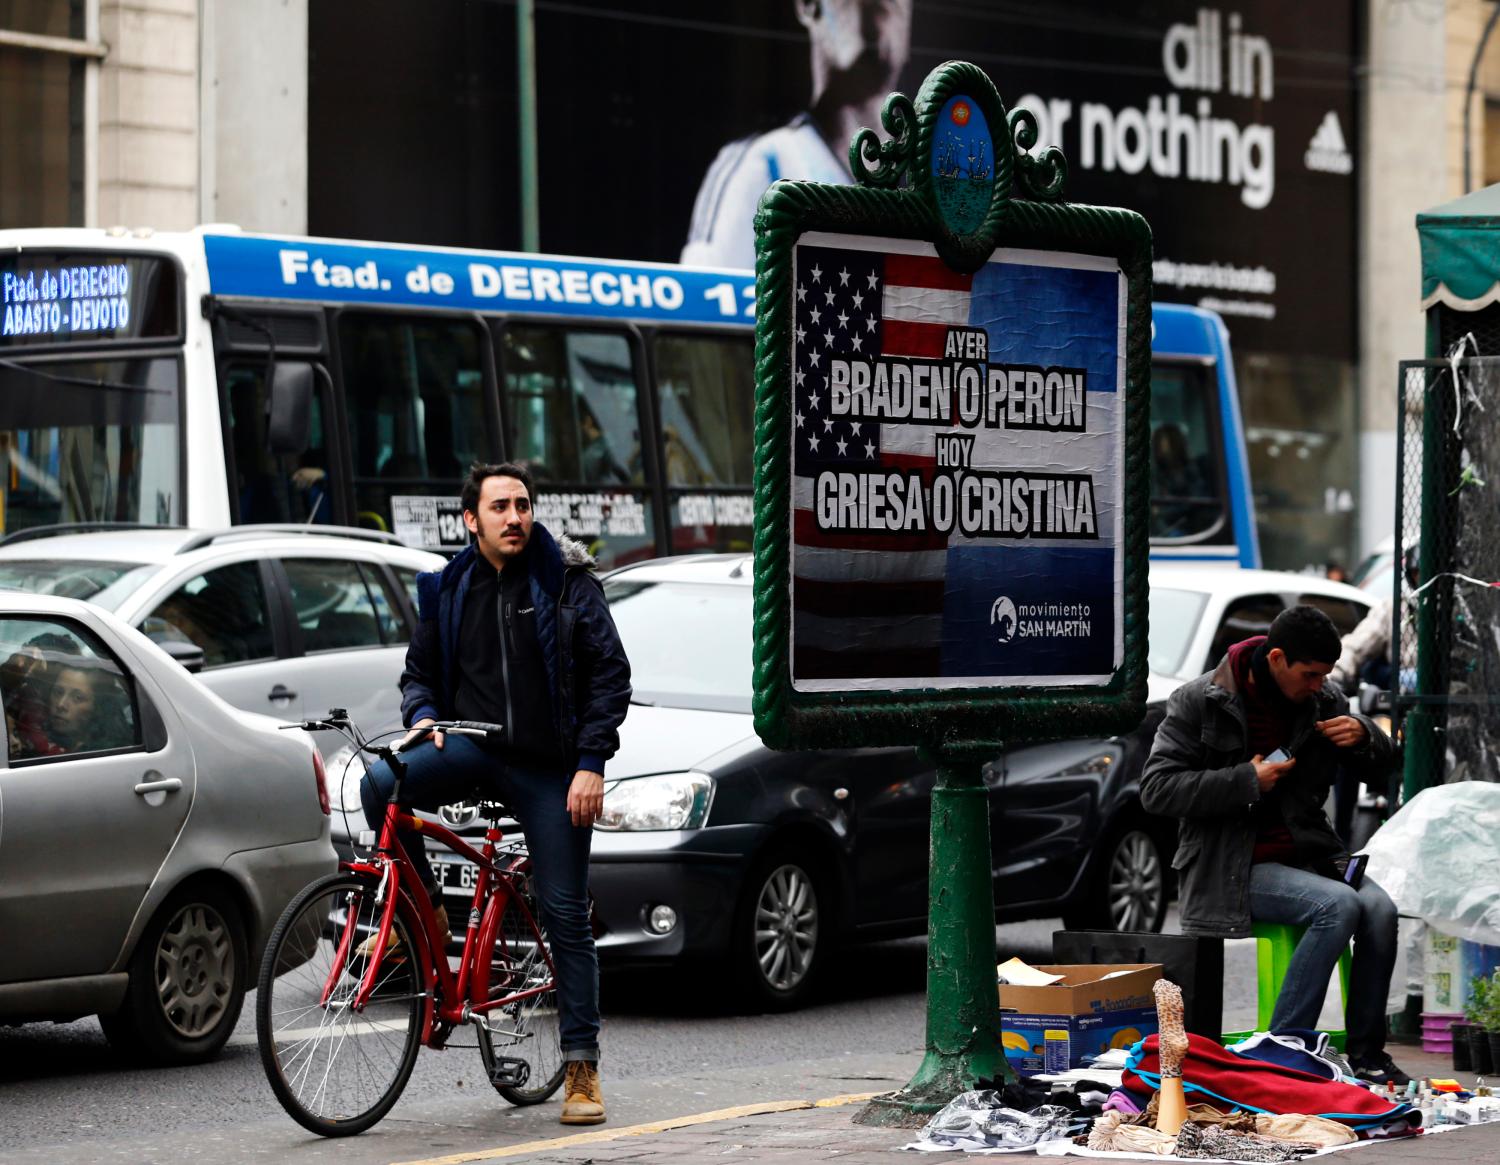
41	117
1301	419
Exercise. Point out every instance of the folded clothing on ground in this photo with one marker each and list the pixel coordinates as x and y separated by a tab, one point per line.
1300	1048
1212	1072
1218	1143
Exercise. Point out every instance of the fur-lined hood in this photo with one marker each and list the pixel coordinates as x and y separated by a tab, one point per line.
574	553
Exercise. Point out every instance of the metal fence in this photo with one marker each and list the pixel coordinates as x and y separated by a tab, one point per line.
1446	606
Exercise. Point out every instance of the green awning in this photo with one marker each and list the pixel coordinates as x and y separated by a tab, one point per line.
1461	251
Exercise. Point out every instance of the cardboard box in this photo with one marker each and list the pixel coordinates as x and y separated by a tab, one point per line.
1083	1015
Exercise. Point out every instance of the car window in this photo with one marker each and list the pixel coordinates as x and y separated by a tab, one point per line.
1174	620
656	618
223	611
1345	613
1244	618
73	578
64	693
334	606
408	578
387	604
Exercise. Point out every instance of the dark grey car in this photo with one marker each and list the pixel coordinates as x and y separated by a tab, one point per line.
712	845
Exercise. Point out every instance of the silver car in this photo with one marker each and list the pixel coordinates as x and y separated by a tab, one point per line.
285	620
150	834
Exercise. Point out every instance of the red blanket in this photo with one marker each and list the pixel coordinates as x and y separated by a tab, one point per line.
1213	1073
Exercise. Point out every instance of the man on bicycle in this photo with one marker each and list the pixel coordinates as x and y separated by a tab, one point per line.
516	631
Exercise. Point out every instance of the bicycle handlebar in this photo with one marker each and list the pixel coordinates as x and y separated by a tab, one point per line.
466	728
338	720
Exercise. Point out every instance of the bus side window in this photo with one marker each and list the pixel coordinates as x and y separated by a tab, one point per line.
415	400
274	487
1187	498
707	392
571	400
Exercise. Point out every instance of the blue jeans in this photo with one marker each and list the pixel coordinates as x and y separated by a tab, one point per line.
464	771
1333	913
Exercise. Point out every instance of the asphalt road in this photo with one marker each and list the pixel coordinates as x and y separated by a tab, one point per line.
674	1044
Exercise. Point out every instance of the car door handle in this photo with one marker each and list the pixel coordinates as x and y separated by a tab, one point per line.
165	785
282	692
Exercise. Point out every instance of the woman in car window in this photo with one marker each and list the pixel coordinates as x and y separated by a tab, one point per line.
89	711
26	680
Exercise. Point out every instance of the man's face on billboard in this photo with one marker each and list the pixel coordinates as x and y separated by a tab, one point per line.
855	33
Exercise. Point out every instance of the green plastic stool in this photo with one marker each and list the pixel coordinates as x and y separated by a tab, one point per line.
1274	944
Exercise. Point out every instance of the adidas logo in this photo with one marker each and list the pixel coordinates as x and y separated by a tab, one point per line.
1327	151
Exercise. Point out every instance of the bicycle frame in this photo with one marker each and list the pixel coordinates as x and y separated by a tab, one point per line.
493	891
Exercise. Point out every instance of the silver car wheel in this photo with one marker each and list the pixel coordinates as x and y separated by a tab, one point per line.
786	927
1136	882
195	971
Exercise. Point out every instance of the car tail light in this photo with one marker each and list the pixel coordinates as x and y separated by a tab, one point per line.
322	778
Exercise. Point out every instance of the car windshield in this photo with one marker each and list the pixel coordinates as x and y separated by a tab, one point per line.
688	643
103	583
1174	618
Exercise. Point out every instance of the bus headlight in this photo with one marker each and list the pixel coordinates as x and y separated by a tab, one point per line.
667	801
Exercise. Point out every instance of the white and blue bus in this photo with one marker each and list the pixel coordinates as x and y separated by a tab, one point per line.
215	377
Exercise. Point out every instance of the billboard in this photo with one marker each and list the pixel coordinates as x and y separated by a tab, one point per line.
956	460
1230	128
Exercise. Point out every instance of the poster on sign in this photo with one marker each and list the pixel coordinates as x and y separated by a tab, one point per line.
952	407
956	446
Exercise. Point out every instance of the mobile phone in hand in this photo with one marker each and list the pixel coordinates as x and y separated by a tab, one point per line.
1278	756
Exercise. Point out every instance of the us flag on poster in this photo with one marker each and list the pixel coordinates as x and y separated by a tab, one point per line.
862	304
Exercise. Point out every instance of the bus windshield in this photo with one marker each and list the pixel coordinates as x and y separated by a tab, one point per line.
1187	470
90	440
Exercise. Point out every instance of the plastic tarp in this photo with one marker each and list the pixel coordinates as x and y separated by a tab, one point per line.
1439	859
1460	243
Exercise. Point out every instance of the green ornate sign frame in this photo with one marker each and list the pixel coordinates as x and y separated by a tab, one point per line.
898	197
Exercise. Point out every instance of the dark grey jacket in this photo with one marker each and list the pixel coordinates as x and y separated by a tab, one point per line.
1199	771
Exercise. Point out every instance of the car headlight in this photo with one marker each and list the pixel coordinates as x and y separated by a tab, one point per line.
668	801
344	775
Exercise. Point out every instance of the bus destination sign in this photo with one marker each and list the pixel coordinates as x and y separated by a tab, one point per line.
62	300
314	270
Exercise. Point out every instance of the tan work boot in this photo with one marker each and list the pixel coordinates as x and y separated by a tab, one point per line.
393	941
583	1102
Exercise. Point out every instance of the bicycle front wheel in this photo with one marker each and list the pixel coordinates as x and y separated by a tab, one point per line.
521	1043
337	1070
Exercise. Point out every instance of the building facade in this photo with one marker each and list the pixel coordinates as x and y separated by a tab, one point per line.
1280	151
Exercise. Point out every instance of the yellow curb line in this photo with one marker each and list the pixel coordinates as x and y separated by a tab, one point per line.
662	1126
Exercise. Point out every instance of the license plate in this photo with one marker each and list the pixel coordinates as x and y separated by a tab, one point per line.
457	877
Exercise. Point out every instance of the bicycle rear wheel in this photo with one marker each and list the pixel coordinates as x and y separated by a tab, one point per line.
524	1038
335	1070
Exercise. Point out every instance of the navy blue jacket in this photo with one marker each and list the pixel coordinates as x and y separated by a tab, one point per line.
586	665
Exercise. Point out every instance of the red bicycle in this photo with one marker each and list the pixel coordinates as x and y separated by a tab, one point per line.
341	1009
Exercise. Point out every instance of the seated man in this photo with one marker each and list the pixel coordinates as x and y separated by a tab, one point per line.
1253	840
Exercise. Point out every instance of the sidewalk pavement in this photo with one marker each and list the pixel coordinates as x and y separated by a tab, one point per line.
783	1130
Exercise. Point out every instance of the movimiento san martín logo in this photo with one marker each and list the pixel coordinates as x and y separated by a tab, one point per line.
1003	618
1327	151
1040	620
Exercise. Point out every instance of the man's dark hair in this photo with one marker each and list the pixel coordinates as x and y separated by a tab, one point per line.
1306	635
479	472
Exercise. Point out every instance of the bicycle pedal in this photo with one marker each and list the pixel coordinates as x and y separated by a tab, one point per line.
509	1072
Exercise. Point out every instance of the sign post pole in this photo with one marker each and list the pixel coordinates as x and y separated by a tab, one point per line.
963	1045
952	409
